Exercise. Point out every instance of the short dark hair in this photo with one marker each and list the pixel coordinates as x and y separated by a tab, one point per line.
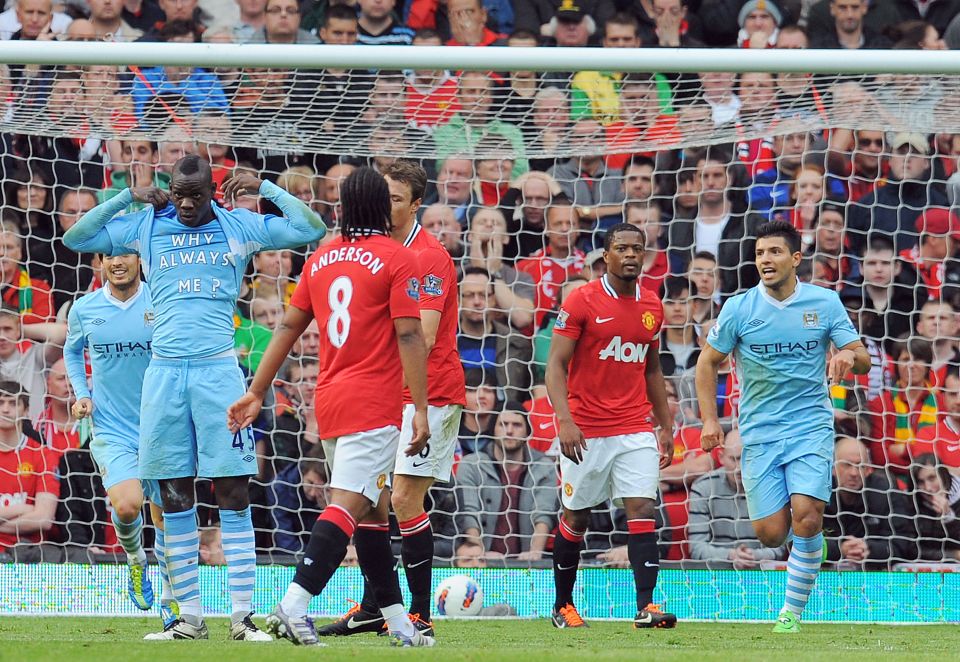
191	164
953	370
781	229
622	227
931	460
523	33
640	160
623	18
879	243
7	309
674	286
705	255
340	12
516	407
475	271
12	389
410	173
316	465
426	33
919	348
174	29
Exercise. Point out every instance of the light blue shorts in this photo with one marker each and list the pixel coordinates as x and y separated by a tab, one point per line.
183	420
117	459
774	470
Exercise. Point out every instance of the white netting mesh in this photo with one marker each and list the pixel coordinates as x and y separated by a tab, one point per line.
853	161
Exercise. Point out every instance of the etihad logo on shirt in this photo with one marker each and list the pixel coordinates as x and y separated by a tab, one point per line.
121	347
624	352
787	347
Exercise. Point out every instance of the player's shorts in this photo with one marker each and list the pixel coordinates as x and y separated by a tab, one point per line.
619	467
117	458
183	420
774	470
361	462
436	459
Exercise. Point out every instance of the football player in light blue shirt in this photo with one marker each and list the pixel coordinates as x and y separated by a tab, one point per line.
194	254
115	326
780	334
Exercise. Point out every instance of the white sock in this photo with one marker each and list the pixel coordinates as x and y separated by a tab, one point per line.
296	601
398	620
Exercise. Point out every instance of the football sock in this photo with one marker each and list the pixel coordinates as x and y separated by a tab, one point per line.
159	548
416	551
183	548
566	560
378	565
240	552
129	535
644	558
397	620
803	566
325	550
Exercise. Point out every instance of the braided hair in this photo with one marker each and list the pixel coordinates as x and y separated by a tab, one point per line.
365	200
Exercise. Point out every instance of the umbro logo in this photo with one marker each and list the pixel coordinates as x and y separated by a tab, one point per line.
754	323
98	321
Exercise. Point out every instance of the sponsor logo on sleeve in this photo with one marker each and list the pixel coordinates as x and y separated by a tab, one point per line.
432	286
562	319
413	289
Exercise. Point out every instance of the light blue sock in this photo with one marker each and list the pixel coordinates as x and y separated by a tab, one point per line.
182	541
129	535
240	551
160	549
803	566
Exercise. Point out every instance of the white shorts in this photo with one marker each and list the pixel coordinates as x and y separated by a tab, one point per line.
436	459
620	467
361	462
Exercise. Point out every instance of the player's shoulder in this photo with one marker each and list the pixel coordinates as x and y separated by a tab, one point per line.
815	293
584	295
88	301
649	298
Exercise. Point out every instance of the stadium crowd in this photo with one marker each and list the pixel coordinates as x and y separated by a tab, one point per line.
874	209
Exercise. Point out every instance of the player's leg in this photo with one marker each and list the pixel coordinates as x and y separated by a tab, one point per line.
127	500
169	610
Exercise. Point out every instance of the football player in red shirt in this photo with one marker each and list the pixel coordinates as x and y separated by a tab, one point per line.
446	395
604	379
364	292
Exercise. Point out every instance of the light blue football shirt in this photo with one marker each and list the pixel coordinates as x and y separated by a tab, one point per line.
117	335
780	356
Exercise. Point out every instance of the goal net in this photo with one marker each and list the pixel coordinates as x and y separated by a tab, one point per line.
527	171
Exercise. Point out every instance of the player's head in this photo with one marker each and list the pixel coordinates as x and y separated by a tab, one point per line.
192	189
365	204
14	402
777	253
623	251
9	330
407	182
121	271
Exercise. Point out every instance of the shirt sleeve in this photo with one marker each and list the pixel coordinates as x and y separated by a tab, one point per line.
48	480
842	332
73	354
404	285
725	334
299	225
438	279
301	294
98	231
570	319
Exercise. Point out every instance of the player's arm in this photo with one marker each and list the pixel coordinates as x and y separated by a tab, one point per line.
430	321
657	394
706	380
38	517
89	234
76	367
244	411
413	357
300	225
572	442
852	356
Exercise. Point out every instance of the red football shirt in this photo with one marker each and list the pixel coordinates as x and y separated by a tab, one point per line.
607	384
942	439
549	274
438	292
28	470
355	289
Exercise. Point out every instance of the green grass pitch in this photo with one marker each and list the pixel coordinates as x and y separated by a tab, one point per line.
119	639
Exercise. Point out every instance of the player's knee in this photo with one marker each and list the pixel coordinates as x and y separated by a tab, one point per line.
771	537
807	523
232	493
577	519
407	502
127	508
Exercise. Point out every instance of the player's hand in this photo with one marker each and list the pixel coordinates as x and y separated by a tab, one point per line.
421	434
711	436
151	195
572	443
840	365
243	412
82	408
239	185
665	441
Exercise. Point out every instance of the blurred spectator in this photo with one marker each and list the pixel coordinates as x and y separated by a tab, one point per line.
479	414
866	517
493	169
646	216
298	181
514	290
805	193
595	94
138	168
558	259
22	292
549	124
377	25
879	16
56	424
881	373
214	130
468	23
29	486
253	18
849	29
757	94
670	25
572	26
771	188
281	25
273	272
142	14
29	198
308	344
719	527
185	11
792	37
33	19
295	500
529	197
71	273
430	95
519	94
933	258
727	388
26	363
175	143
858	159
936	501
943	439
455	185
939	13
475	121
106	18
703	274
888	303
827	245
937	322
893	209
266	309
199	89
83	515
485	342
760	22
642	120
679	349
537	15
638	182
507	492
439	220
329	204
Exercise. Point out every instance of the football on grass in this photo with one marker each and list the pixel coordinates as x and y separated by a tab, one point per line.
458	596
